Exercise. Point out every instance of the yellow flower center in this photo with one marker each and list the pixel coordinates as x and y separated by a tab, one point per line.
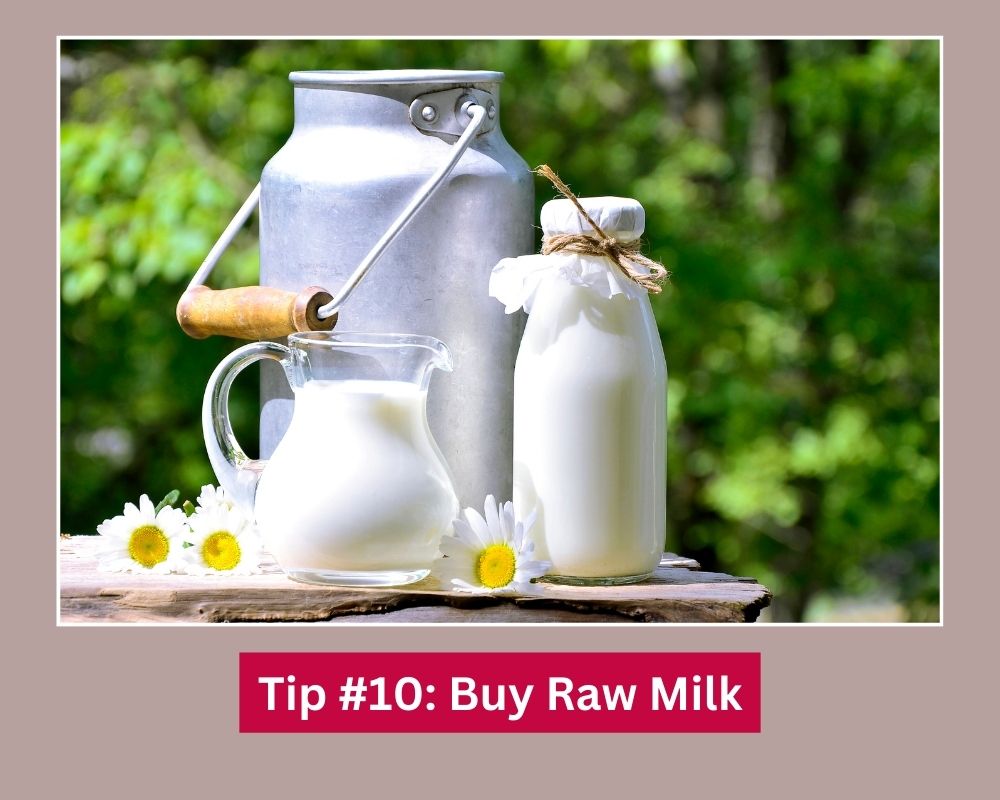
495	566
148	546
221	551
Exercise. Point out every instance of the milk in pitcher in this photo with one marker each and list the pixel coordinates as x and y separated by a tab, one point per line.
357	482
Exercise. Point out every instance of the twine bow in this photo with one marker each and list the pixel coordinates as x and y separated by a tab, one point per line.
625	255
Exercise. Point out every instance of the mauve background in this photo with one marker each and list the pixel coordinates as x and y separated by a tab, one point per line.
847	710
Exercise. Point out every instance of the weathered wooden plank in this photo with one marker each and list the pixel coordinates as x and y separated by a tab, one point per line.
674	560
678	592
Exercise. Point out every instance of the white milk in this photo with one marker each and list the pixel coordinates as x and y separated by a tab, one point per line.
357	483
589	431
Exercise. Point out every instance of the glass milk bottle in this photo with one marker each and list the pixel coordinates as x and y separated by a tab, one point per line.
589	401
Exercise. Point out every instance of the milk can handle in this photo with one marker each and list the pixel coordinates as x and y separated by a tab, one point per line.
477	116
238	474
326	313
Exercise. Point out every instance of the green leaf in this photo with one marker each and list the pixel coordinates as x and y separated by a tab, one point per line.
170	499
188	507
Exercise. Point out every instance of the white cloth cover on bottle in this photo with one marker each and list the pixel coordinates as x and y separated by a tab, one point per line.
514	281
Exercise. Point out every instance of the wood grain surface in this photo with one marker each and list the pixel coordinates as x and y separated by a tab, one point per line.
678	592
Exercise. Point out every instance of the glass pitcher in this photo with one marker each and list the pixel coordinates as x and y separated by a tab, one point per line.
357	492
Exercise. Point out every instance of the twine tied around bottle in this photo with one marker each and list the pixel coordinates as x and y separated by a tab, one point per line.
625	255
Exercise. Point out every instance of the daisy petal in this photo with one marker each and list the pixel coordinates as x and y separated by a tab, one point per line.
507	525
223	542
531	569
450	546
518	540
529	521
492	516
489	553
146	507
448	574
479	526
463	586
461	530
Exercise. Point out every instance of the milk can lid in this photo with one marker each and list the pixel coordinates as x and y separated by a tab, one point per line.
620	217
337	77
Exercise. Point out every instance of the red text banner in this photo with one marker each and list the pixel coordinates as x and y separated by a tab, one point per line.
500	692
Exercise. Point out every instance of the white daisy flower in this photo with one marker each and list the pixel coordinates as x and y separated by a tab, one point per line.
491	553
214	497
142	540
223	542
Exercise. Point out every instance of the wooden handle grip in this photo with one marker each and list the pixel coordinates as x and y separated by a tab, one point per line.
251	312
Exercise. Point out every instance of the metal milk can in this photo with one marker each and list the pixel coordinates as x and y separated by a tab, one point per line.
408	169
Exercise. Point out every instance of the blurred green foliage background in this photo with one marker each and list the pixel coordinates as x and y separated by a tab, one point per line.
791	186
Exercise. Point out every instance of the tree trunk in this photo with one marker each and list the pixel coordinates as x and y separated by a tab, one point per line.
708	113
771	148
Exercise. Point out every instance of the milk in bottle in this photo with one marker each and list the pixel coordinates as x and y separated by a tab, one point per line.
589	403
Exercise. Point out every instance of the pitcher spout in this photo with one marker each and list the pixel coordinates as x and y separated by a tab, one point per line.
343	355
426	355
441	357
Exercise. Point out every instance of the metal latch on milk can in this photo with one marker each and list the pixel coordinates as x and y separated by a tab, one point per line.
262	312
447	112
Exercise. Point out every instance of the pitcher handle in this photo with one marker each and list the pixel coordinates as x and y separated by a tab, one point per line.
238	474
